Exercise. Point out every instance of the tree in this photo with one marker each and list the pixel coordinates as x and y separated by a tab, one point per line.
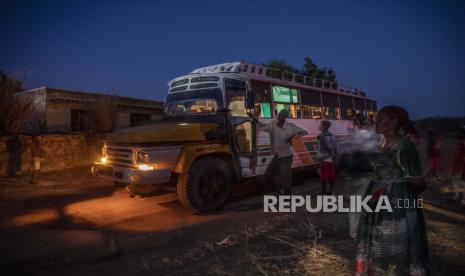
309	68
281	65
14	107
331	75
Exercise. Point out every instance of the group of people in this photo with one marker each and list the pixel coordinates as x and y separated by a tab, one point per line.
389	243
16	150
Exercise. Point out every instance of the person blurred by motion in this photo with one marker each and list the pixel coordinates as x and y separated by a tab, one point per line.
394	243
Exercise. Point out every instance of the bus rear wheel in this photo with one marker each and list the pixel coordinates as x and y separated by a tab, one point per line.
206	187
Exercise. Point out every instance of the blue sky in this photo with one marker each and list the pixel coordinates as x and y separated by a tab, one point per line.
410	53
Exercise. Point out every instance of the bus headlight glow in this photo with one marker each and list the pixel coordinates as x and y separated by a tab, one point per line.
145	167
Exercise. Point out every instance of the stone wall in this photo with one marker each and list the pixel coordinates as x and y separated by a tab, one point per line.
60	152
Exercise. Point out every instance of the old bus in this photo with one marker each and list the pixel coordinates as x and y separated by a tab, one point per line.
207	140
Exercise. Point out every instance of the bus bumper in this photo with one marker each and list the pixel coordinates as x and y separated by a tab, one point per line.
131	175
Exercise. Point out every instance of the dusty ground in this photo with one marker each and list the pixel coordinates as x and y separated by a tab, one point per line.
73	224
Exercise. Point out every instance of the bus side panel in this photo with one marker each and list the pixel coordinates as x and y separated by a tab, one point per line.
305	148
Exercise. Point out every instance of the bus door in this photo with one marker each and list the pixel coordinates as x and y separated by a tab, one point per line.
242	126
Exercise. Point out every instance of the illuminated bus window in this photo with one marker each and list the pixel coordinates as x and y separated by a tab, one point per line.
331	113
235	97
311	112
347	107
286	98
285	95
262	99
311	104
360	105
331	107
265	110
293	109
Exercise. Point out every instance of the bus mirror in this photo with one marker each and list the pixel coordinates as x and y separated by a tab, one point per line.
250	99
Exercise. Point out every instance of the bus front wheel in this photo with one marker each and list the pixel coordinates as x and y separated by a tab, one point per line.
206	187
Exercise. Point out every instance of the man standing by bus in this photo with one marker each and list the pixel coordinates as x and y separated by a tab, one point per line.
279	172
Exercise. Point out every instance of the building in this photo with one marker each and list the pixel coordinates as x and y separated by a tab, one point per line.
59	110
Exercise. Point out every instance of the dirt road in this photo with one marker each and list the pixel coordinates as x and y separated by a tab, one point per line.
74	224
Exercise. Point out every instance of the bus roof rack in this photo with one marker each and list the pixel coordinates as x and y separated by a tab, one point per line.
264	72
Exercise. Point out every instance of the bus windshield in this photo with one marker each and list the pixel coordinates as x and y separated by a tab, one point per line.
191	107
196	102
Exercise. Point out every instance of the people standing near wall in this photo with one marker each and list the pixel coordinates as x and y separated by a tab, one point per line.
36	158
279	172
327	155
394	243
15	150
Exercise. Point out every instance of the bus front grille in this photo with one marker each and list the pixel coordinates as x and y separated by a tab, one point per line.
120	156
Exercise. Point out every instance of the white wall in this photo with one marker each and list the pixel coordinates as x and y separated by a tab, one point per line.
58	119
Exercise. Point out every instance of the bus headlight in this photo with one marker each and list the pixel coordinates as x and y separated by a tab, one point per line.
103	160
145	167
143	157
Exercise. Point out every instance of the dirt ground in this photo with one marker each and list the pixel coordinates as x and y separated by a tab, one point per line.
240	240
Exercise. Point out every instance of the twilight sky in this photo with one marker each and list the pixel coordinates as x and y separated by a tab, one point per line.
409	53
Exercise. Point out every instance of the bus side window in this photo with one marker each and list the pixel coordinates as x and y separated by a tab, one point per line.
262	99
286	98
347	107
311	104
330	107
235	97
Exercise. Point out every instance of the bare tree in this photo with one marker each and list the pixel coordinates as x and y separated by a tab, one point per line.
14	107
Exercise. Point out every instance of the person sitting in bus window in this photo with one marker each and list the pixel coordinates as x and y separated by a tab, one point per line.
316	112
331	113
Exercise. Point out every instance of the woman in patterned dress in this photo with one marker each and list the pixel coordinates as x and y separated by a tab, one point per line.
394	243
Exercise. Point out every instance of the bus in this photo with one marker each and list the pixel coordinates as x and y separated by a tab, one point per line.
207	139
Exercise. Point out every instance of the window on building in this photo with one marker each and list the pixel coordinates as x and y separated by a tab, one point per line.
137	119
262	99
331	107
235	97
78	119
286	98
311	104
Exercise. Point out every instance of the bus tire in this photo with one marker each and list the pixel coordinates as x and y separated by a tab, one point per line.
120	184
206	187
